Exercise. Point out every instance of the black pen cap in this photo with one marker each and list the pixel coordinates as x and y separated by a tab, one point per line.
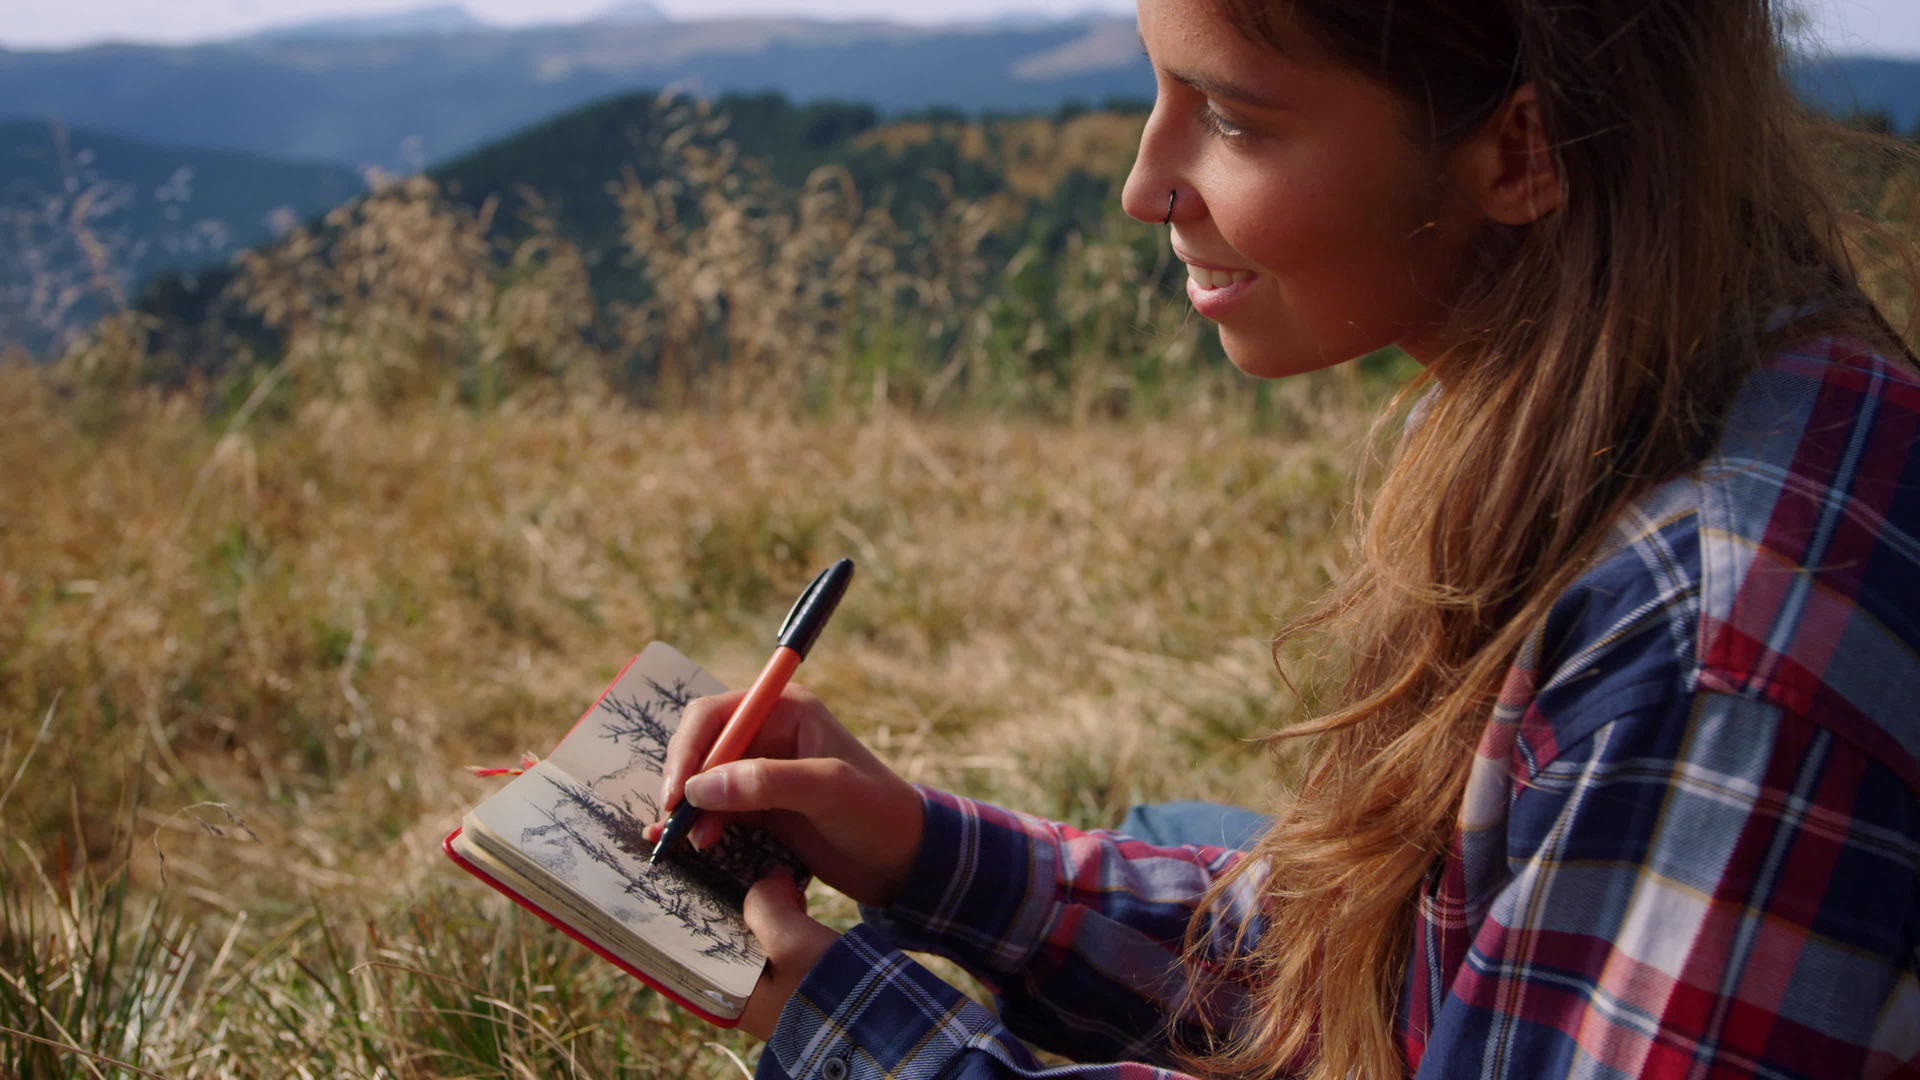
810	612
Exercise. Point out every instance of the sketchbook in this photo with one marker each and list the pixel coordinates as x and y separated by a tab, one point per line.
566	839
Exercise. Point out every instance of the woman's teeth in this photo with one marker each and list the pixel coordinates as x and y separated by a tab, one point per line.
1216	279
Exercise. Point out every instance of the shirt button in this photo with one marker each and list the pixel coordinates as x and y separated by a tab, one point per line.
835	1068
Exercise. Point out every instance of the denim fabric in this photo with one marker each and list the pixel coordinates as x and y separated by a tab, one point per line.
1174	824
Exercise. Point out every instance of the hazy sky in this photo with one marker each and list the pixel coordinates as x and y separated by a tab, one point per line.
1843	26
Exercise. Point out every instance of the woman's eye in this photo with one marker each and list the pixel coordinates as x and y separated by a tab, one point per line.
1215	124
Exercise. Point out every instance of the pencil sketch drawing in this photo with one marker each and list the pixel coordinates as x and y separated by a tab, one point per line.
615	839
582	815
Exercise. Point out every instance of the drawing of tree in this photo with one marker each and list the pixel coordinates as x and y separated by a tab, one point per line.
642	724
700	897
604	823
676	696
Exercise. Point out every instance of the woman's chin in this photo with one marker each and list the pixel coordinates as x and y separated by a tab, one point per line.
1262	357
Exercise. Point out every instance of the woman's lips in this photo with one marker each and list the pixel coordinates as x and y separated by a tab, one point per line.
1214	291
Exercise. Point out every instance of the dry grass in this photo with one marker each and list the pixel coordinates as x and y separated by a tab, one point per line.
310	626
313	606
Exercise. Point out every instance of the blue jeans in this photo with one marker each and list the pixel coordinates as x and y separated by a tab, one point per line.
1173	824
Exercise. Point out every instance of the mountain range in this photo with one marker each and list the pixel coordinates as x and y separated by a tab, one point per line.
1869	85
434	87
438	19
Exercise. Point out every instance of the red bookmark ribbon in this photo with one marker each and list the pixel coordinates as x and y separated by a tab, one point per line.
527	761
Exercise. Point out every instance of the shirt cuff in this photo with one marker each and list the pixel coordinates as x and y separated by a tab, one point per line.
867	1012
983	889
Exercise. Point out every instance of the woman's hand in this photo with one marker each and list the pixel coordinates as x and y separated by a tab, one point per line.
853	822
776	912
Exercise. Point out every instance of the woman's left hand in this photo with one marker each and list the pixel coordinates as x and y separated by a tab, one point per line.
776	912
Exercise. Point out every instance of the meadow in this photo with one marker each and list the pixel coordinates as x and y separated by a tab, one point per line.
263	598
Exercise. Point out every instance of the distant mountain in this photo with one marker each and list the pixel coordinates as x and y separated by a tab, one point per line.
401	101
139	209
639	11
1854	85
444	19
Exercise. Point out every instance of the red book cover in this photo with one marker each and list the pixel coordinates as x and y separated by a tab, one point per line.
554	920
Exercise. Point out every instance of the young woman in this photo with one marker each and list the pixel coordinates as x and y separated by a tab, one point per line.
1626	775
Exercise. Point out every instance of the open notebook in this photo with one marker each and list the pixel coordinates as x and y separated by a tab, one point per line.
566	840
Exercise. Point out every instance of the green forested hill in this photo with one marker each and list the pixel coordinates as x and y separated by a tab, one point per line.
571	163
1062	171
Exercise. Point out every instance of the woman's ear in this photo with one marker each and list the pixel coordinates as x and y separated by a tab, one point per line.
1508	165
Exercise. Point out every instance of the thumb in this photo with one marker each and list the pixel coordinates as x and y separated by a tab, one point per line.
776	912
807	785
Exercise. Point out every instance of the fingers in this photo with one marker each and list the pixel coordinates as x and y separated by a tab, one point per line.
853	822
706	832
811	787
797	718
776	913
700	725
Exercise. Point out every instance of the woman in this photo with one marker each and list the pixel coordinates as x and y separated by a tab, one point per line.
1623	779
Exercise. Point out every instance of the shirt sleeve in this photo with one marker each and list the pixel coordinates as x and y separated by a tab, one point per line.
1079	935
1729	892
869	1012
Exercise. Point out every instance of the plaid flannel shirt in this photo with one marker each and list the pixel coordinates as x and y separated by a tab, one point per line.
1690	844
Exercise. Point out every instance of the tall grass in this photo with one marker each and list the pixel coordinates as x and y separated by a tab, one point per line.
315	624
105	980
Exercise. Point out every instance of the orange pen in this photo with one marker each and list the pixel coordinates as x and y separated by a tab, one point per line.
796	638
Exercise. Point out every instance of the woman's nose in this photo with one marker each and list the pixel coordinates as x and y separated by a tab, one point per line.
1149	198
1153	192
1157	205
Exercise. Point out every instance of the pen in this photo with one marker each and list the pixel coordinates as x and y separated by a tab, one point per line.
796	637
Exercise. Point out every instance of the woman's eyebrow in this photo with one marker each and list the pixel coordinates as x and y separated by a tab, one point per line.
1213	87
1225	89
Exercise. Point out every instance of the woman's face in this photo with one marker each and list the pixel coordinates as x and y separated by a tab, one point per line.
1313	228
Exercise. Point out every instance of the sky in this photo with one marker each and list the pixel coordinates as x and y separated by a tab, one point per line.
1890	27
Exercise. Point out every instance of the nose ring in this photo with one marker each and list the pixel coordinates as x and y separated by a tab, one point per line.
1171	195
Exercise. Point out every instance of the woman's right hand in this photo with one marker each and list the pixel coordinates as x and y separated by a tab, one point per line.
850	819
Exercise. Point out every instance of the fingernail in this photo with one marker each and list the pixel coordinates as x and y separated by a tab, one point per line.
705	832
706	789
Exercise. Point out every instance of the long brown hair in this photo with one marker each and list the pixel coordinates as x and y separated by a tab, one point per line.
1594	355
